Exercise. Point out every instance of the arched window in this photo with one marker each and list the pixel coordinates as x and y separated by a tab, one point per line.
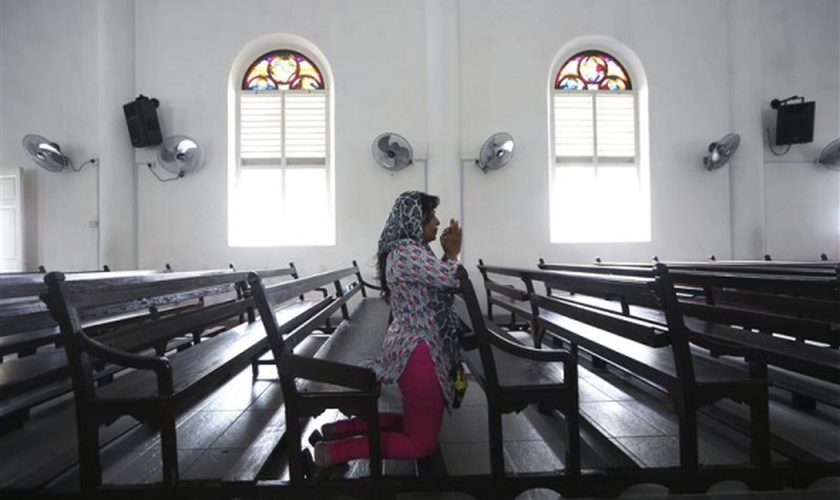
597	191
283	183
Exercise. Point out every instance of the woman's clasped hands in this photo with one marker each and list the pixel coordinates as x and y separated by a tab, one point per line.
450	239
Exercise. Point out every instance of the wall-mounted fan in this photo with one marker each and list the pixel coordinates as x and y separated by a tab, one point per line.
830	156
720	152
392	151
496	152
45	153
48	155
178	155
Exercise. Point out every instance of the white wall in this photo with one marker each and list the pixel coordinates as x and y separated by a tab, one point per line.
494	62
802	199
116	77
50	89
509	58
379	71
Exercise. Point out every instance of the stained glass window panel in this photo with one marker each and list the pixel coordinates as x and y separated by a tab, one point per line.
592	70
283	70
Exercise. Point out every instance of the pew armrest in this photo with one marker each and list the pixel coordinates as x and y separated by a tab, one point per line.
516	349
756	359
329	372
159	364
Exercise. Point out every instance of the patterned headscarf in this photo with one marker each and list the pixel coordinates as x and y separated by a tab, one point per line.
405	225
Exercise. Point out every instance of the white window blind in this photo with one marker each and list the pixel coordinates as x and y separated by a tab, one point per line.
261	126
281	125
574	130
306	128
616	126
590	126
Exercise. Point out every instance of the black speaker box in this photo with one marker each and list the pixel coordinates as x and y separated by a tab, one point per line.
795	123
141	118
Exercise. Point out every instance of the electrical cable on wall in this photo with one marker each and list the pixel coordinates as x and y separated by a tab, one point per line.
770	145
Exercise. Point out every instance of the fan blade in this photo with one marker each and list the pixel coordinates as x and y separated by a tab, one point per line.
384	144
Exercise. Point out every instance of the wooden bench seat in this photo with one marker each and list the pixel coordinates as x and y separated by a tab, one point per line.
655	365
159	388
798	358
355	341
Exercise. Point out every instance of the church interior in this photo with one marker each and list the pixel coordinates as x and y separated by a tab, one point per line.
193	190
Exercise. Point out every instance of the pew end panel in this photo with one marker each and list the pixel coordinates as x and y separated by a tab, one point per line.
159	387
514	376
334	377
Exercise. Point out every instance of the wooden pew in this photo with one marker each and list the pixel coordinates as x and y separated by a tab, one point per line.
795	268
334	378
160	387
267	358
778	315
514	376
693	382
804	307
38	371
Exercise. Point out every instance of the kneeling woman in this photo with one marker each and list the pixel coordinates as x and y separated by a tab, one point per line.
420	351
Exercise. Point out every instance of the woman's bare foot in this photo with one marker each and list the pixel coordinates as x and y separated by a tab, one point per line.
323	457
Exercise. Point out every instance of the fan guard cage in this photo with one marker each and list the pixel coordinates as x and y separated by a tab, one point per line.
830	156
392	151
496	152
45	153
179	155
720	152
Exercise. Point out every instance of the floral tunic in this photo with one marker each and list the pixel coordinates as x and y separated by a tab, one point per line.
416	277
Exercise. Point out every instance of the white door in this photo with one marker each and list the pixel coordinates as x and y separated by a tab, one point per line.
11	220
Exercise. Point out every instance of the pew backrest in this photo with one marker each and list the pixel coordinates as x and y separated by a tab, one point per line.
69	300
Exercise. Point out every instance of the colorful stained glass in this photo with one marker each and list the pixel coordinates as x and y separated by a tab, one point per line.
592	70
283	70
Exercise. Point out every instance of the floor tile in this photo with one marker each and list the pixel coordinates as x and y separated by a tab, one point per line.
272	397
467	458
466	424
588	392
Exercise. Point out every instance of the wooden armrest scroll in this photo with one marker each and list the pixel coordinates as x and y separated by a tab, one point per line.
160	365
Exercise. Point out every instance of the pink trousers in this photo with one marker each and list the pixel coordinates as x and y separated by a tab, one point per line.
407	436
